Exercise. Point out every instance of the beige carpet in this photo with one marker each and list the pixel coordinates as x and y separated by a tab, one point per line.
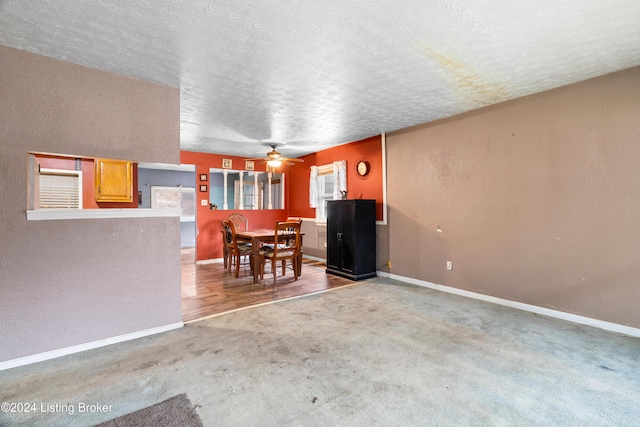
379	353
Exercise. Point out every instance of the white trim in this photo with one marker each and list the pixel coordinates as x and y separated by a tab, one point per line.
40	357
167	167
210	261
55	214
569	317
384	180
314	258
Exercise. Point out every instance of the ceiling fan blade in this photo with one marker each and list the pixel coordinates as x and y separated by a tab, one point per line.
295	160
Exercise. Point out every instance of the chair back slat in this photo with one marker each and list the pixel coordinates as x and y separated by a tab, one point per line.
239	221
287	237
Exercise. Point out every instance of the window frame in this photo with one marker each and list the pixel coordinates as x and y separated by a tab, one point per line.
321	209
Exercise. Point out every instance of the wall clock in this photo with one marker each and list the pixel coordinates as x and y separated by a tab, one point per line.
363	168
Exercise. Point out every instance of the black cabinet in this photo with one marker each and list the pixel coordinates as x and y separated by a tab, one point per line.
351	238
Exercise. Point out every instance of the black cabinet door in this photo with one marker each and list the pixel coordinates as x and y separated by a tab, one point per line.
334	224
347	237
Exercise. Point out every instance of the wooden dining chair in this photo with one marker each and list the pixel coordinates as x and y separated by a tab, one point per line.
297	218
234	250
286	247
239	221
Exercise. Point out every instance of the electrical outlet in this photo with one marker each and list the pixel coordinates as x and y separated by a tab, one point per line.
204	202
449	265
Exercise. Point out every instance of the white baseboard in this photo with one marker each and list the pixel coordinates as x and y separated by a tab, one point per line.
210	261
314	258
40	357
574	318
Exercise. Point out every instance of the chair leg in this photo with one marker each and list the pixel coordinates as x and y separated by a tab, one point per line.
225	256
274	270
237	265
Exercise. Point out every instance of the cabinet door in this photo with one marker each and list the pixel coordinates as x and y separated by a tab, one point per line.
114	180
334	225
347	237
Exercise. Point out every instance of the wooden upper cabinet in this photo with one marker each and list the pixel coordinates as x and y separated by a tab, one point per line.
114	180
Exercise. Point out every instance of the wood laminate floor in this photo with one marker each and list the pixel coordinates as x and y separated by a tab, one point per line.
209	289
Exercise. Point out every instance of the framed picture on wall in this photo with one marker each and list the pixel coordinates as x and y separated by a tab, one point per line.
249	165
203	188
203	177
227	163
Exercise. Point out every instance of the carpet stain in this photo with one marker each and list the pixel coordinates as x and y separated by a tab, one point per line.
174	361
147	365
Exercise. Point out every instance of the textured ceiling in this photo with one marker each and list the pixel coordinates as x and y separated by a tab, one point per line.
313	74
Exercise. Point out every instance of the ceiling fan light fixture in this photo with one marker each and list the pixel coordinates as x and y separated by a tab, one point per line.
274	163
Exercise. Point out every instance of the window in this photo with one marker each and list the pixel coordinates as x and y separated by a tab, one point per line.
327	182
325	185
175	198
60	189
249	199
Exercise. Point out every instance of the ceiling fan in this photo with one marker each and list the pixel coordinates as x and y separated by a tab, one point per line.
275	159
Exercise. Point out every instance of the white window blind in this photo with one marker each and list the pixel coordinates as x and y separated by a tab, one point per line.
60	189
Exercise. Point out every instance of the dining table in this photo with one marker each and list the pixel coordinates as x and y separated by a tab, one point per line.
260	236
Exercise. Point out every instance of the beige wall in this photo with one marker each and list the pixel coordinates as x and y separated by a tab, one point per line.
69	282
538	199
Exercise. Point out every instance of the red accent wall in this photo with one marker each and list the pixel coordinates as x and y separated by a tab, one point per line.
208	226
369	188
208	235
88	180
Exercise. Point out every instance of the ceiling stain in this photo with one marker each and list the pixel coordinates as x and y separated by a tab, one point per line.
475	88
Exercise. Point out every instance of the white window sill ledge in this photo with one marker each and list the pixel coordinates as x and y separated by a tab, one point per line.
55	214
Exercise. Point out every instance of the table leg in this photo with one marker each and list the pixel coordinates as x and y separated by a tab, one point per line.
255	247
300	257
